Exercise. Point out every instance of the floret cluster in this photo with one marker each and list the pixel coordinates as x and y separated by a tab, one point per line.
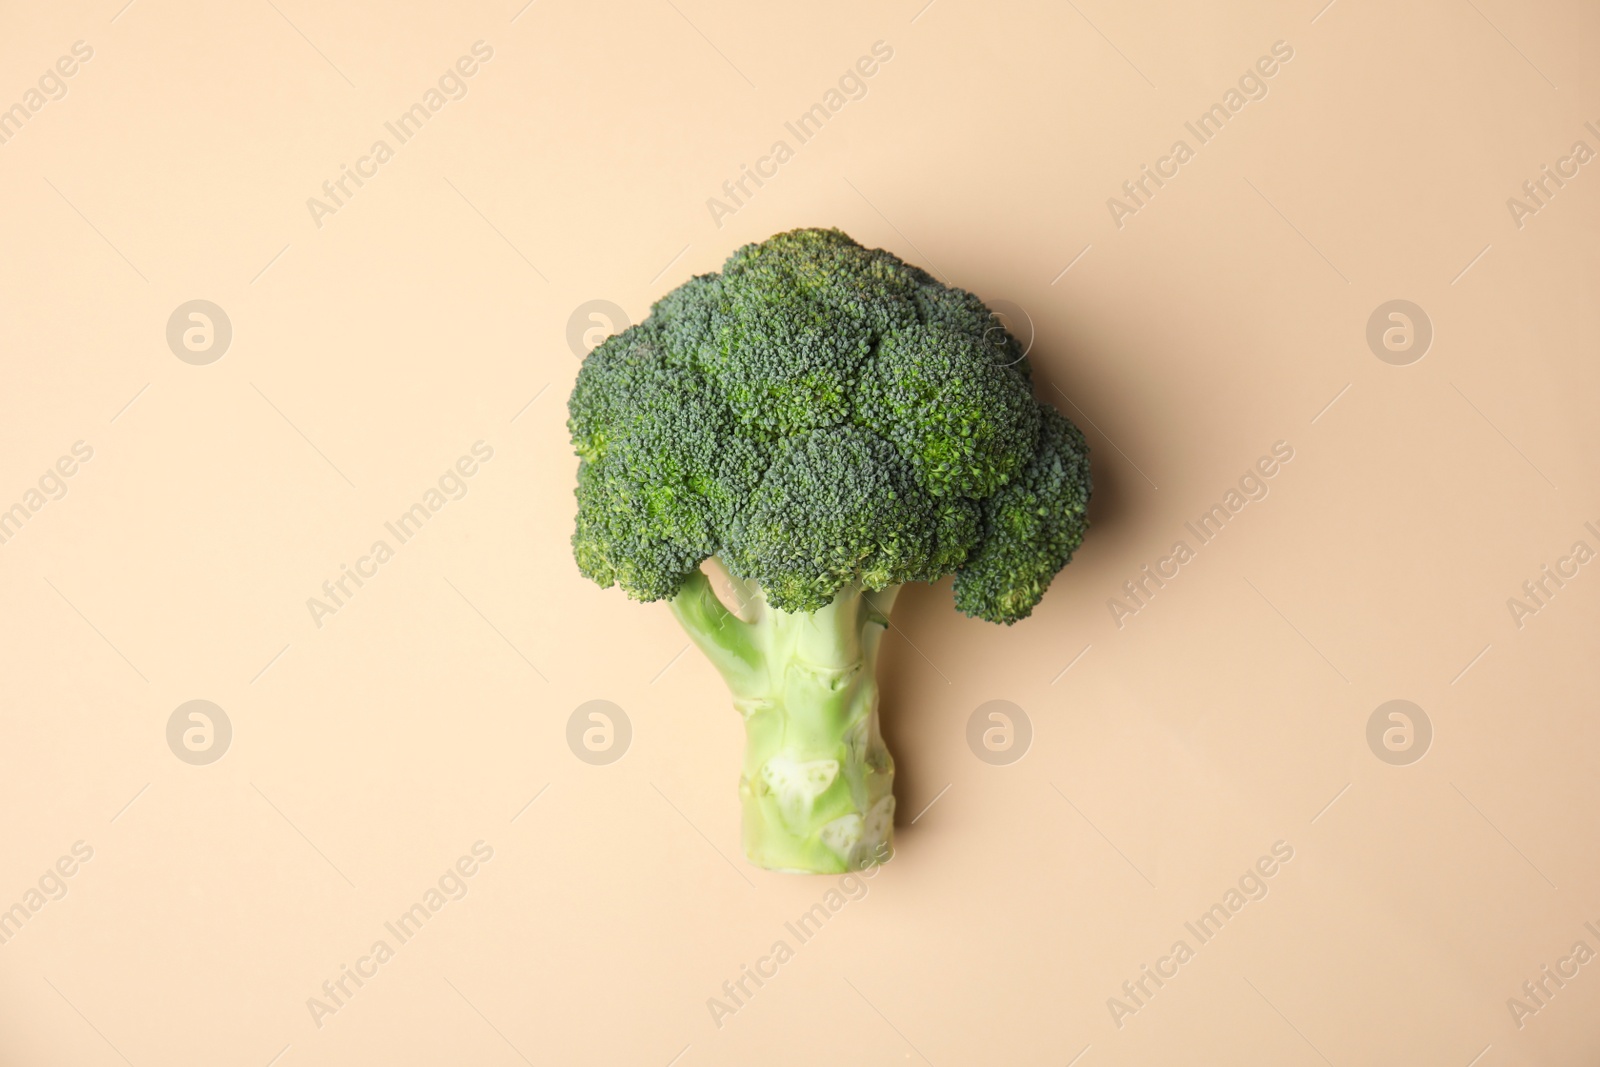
818	415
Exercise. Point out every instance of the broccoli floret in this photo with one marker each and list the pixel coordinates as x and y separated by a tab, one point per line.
964	313
1031	528
837	506
621	369
680	322
962	420
616	544
794	319
869	288
829	423
662	473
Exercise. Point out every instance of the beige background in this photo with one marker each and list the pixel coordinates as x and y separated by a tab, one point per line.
431	312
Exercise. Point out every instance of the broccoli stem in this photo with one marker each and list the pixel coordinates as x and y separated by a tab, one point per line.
817	786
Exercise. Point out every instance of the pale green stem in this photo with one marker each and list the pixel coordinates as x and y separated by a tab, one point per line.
817	786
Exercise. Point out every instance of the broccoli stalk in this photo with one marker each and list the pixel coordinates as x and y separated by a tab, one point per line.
817	786
829	423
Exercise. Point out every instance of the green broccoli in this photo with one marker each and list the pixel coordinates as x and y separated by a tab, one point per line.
827	423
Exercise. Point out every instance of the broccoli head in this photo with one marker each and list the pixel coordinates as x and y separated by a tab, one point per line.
821	415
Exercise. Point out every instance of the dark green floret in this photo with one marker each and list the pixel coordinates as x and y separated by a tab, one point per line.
963	421
680	322
836	506
1031	528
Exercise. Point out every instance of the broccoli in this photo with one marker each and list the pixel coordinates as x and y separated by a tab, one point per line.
827	423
